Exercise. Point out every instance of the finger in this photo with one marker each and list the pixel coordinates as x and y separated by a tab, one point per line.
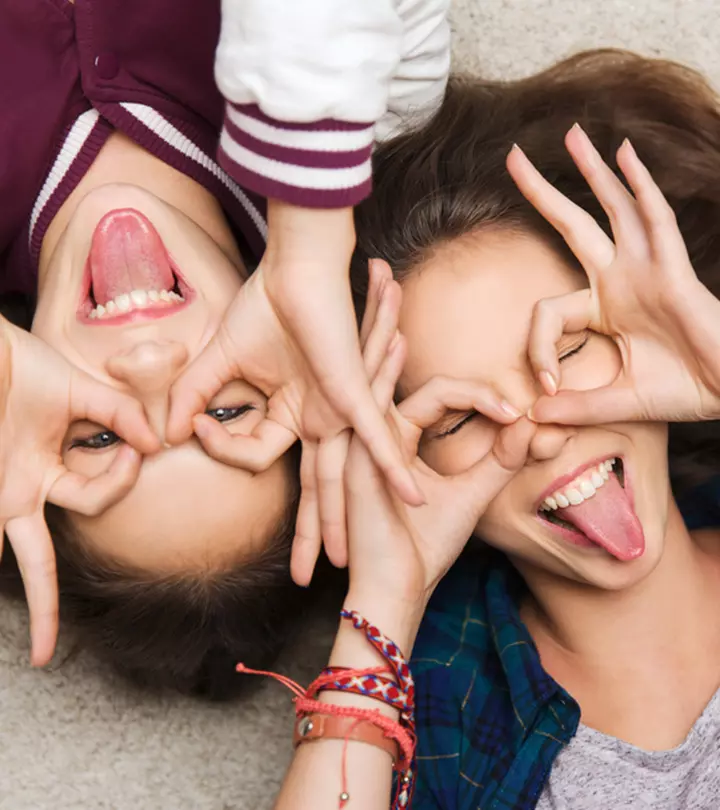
114	410
666	241
489	476
308	536
552	318
615	199
195	387
33	548
379	274
385	382
583	235
254	453
442	394
383	329
331	459
91	496
613	403
374	431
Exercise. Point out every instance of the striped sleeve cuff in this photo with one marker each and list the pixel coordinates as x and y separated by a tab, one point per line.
323	164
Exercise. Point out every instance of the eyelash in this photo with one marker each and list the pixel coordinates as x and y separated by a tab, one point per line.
575	350
455	428
106	438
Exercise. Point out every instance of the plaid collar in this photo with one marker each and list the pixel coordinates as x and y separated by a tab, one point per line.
490	719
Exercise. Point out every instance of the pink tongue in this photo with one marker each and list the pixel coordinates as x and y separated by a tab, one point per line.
127	254
609	520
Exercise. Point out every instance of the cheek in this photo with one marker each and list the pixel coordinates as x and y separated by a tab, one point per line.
457	453
598	364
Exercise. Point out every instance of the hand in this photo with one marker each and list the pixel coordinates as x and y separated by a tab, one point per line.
400	553
41	395
291	332
643	293
321	516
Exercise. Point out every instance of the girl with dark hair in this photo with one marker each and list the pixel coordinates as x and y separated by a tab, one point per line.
136	199
561	320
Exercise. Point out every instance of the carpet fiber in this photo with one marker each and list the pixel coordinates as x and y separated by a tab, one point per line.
76	739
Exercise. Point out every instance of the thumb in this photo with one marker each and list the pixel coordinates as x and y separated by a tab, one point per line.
195	387
479	485
612	403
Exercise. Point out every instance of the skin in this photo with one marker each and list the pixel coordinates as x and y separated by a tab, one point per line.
648	684
185	509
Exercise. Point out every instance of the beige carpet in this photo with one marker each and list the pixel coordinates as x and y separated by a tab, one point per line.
75	739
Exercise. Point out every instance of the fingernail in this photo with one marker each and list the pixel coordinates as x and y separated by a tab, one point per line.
549	383
510	410
626	143
530	415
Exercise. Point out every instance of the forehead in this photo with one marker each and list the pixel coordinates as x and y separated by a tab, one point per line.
466	312
187	512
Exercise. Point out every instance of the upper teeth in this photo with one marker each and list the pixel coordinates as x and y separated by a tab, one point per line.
579	490
137	299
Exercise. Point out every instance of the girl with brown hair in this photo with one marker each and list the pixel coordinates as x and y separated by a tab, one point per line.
561	325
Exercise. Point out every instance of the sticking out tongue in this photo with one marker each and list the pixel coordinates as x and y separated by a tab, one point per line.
609	520
127	254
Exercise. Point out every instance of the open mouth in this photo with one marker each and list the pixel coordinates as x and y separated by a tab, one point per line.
595	508
129	275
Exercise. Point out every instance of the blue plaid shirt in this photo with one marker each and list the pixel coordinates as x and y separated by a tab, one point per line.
490	720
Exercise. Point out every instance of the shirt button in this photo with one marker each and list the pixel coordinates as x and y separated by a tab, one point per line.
107	65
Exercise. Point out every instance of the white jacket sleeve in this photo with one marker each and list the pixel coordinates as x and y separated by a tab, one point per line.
308	82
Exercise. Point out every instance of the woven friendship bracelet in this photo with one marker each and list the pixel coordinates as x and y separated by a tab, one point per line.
392	654
373	685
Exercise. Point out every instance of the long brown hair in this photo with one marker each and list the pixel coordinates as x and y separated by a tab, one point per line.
448	178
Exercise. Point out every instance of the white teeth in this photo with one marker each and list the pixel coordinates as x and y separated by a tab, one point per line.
582	488
587	490
137	299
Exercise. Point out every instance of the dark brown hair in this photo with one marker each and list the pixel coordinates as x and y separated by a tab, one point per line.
448	178
185	633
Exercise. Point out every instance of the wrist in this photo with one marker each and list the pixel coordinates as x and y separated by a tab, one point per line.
397	615
323	238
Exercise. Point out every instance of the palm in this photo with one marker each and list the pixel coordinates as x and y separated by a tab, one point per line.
291	333
393	545
643	293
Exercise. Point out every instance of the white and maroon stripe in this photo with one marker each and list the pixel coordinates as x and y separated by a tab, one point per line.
79	148
323	164
179	145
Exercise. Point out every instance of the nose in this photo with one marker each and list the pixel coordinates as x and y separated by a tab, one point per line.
148	370
549	441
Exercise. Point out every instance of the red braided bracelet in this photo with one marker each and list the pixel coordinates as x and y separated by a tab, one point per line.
398	692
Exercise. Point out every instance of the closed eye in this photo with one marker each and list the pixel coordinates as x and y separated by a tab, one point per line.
574	349
457	426
224	415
